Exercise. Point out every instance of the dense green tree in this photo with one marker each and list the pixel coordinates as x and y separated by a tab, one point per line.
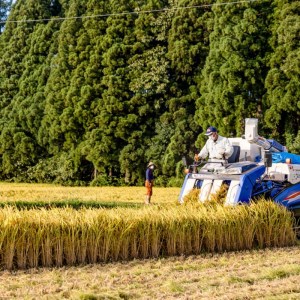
22	86
233	78
96	95
60	130
149	80
117	117
282	82
188	46
93	148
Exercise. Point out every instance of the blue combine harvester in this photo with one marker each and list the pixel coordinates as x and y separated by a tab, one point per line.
258	167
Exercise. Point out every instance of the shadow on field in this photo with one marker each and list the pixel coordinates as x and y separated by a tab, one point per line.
75	204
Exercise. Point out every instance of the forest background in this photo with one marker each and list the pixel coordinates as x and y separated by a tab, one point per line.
95	89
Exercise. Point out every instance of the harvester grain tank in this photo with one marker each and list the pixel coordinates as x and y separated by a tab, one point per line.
257	167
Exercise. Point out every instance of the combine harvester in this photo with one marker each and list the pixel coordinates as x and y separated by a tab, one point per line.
257	167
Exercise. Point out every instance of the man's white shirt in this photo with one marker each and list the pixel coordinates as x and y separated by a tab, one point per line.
216	149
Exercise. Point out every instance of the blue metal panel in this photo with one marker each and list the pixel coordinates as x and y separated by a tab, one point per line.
282	156
289	197
247	183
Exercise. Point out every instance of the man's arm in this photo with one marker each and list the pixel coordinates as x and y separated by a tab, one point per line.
228	149
204	152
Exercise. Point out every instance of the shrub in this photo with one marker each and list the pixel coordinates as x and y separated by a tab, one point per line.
175	182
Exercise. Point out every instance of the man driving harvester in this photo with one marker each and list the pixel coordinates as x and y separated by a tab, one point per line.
216	147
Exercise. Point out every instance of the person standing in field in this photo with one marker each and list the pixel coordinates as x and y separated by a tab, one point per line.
149	182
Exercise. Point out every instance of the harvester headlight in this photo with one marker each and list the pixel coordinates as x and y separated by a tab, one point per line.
288	161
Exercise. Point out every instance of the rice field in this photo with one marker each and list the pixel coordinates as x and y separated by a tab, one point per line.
54	237
11	192
162	251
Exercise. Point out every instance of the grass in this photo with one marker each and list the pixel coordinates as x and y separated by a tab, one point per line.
263	274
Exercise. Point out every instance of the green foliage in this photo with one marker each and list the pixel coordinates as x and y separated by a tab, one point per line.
105	180
161	180
233	77
63	168
175	182
283	96
92	100
188	46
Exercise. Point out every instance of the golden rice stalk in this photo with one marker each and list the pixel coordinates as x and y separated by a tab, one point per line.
192	196
220	196
57	237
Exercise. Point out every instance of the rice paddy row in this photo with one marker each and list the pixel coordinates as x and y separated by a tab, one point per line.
65	236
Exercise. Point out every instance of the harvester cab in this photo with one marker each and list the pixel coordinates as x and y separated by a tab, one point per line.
257	167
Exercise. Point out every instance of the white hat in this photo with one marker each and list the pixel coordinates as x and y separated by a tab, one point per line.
150	164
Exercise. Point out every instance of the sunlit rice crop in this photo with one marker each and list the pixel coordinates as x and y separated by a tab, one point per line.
56	237
48	193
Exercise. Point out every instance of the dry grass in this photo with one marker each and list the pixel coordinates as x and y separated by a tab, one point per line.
215	199
265	274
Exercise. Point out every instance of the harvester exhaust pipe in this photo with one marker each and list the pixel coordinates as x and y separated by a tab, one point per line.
252	137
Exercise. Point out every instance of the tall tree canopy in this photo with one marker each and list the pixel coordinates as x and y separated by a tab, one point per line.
233	78
282	82
92	90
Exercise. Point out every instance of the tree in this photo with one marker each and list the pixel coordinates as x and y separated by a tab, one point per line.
93	148
282	82
188	46
116	118
23	77
61	128
149	88
233	77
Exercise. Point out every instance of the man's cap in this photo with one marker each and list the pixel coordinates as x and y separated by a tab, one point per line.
150	164
210	130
